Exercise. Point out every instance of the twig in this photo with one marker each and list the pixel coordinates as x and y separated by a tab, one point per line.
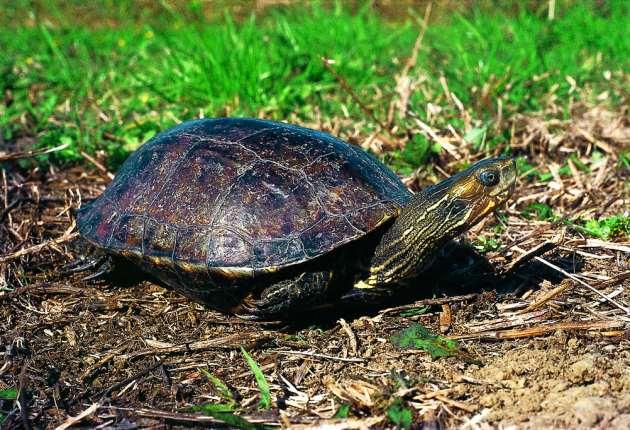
448	147
596	243
22	398
431	302
126	381
509	321
541	330
91	371
345	424
96	163
544	247
177	416
351	336
446	318
70	421
233	341
68	235
344	84
564	285
324	356
538	232
418	44
404	74
28	154
576	279
43	287
459	405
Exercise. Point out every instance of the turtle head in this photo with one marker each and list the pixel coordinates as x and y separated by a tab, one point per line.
439	213
462	200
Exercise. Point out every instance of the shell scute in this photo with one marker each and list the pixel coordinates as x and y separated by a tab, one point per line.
192	245
207	171
140	180
159	238
270	253
268	202
331	232
227	248
127	233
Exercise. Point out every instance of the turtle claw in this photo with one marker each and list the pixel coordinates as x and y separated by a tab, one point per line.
105	267
81	265
102	263
249	310
248	316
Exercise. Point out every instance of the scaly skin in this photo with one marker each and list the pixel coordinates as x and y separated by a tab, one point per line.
437	214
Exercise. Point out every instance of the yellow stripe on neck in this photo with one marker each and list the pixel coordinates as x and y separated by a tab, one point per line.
366	284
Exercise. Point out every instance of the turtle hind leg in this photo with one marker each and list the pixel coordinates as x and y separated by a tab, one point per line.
82	264
287	296
105	268
102	264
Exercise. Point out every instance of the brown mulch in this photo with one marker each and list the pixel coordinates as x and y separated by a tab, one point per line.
549	328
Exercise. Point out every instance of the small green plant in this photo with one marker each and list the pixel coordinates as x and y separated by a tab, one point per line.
223	411
605	228
263	386
224	414
624	161
477	137
531	172
487	244
7	394
399	415
416	336
415	154
343	411
539	210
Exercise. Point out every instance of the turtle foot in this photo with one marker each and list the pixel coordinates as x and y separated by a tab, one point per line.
102	264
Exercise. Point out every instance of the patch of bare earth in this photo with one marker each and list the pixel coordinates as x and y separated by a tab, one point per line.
546	337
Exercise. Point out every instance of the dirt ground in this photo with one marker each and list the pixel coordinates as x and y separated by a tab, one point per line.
545	335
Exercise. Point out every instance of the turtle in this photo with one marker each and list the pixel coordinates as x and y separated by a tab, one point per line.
268	219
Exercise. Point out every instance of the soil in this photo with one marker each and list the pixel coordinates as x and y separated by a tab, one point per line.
538	349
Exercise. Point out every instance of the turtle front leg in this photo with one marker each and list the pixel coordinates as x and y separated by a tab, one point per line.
301	292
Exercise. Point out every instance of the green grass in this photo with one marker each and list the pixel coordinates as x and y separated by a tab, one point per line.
112	87
605	228
263	385
399	415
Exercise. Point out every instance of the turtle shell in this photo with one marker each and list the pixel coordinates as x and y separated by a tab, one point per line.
235	196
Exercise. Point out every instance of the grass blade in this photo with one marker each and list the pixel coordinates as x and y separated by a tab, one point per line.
8	394
222	389
263	386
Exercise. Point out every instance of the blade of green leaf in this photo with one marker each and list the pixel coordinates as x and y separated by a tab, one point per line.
222	389
9	394
263	386
417	336
211	408
343	411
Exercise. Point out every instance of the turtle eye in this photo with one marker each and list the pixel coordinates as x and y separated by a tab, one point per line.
489	178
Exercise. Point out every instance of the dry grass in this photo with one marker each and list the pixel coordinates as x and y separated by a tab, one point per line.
549	328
